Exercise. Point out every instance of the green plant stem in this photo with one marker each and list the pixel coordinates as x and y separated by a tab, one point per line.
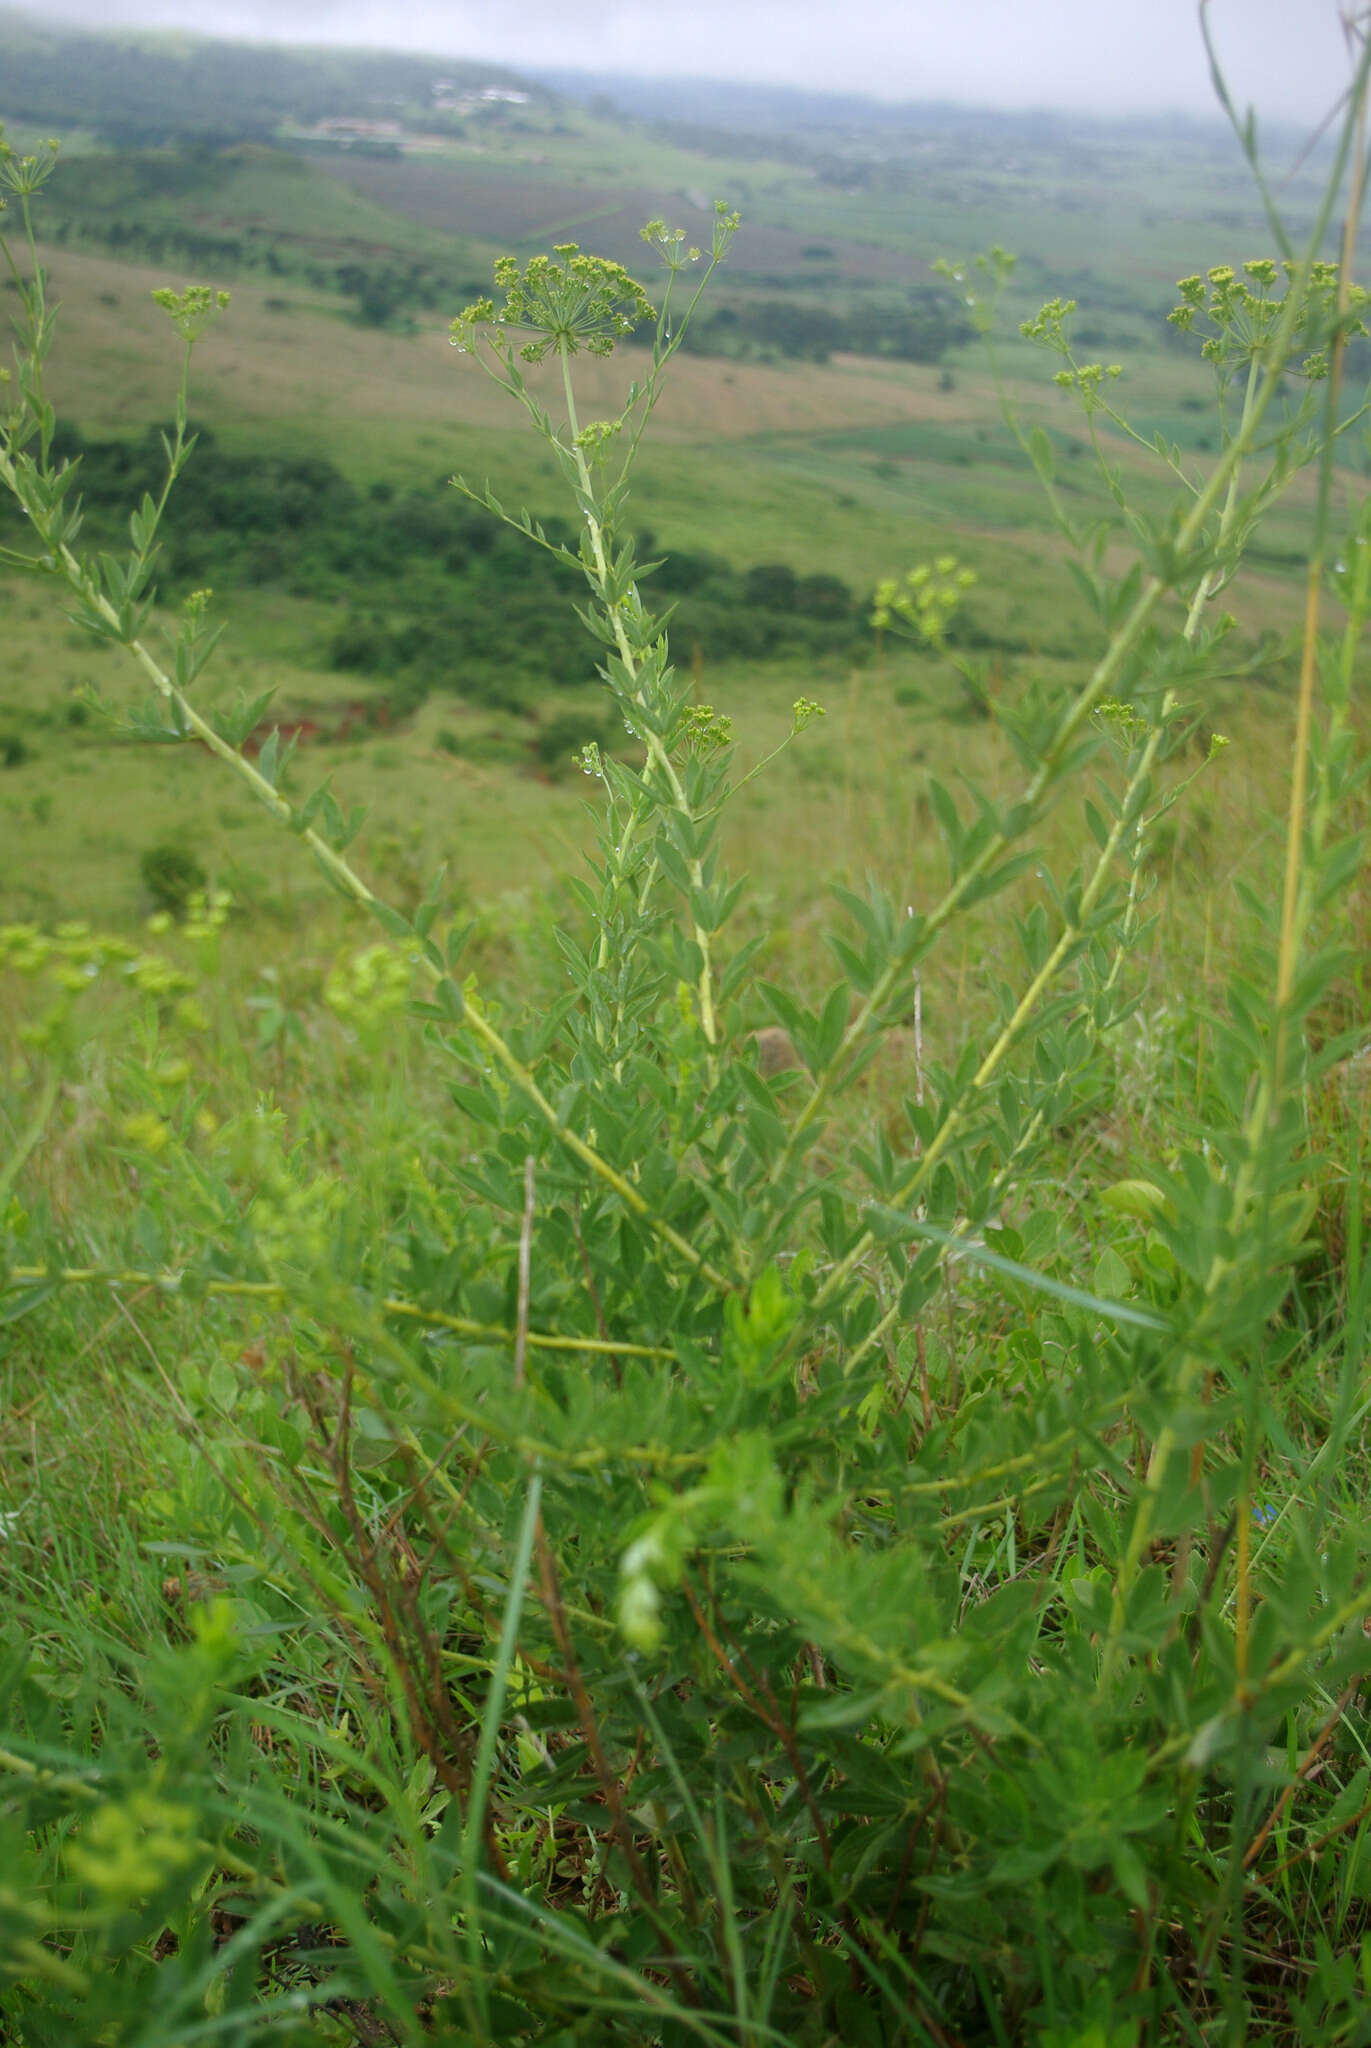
32	1134
1294	918
1011	1032
1212	580
274	1291
651	739
1294	845
1105	677
484	1766
345	877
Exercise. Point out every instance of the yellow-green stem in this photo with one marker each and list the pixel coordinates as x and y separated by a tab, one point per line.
275	1292
651	740
351	884
1009	1035
1105	675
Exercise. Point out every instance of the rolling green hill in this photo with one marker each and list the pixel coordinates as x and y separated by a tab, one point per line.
140	87
353	204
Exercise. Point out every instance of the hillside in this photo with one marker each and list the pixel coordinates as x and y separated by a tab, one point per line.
140	87
847	425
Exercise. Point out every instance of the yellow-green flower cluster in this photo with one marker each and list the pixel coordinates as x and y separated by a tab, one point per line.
72	954
146	1132
1244	311
596	437
706	729
369	988
293	1224
207	912
1121	720
1050	327
1087	378
573	303
23	175
291	1217
926	600
73	958
191	311
670	243
1050	324
126	1851
979	283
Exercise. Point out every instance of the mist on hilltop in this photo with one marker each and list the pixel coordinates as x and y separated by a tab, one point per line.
1130	56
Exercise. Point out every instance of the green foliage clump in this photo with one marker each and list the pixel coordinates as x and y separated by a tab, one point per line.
919	328
171	874
438	595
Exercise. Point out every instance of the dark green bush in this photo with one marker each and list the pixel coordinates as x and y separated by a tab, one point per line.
171	874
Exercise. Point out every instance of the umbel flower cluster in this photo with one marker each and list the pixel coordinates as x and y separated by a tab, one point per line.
191	311
1244	312
577	302
925	603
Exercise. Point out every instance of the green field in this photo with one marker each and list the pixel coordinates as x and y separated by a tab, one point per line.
856	467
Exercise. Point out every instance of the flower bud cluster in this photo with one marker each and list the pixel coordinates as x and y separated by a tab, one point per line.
1050	327
1122	721
670	242
25	175
706	730
1244	311
570	301
292	1219
191	311
126	1850
368	989
926	601
207	912
73	958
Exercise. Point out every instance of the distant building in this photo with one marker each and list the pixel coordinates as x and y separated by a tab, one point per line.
341	128
448	95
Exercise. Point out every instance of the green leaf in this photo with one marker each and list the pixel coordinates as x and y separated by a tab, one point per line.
1112	1276
390	920
18	1301
891	1220
1130	1872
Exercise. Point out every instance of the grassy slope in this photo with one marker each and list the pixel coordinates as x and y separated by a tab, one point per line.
858	467
248	190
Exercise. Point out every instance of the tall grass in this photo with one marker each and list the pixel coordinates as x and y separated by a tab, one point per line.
552	1535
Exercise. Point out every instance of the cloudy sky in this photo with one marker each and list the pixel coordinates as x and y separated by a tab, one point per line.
1286	57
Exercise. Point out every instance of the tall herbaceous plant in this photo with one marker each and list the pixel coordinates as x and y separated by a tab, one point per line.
643	1566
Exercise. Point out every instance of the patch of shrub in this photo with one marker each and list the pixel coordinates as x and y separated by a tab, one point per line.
171	874
559	738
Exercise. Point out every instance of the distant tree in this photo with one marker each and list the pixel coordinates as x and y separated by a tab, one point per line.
770	587
380	292
823	597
